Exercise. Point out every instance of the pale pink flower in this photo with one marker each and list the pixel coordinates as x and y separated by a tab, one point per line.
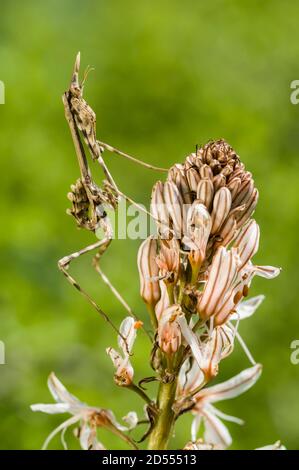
207	349
124	370
90	418
216	432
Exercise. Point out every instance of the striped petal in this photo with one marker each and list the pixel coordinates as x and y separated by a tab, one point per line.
128	331
216	432
223	270
60	393
268	272
247	308
247	242
232	387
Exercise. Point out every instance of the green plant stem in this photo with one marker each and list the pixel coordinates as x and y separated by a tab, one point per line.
161	432
152	314
140	392
170	293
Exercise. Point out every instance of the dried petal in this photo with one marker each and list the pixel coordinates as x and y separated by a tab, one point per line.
231	388
247	308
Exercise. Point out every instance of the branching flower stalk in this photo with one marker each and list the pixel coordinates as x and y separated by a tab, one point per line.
195	276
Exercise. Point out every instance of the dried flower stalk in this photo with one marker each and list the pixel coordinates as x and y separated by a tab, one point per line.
194	276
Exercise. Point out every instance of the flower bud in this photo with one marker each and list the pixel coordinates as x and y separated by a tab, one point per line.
174	203
149	272
205	192
193	179
159	210
199	227
169	332
168	260
221	208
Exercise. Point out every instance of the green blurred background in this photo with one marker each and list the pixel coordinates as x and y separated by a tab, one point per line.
168	75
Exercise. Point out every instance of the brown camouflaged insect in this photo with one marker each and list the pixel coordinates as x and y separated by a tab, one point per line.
89	201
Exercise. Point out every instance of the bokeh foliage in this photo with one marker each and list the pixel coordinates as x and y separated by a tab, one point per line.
168	75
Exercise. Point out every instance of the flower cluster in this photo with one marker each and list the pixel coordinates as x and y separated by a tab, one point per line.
195	274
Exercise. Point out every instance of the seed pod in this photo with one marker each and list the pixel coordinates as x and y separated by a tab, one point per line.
149	272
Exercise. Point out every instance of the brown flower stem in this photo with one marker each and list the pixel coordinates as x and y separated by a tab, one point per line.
162	429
